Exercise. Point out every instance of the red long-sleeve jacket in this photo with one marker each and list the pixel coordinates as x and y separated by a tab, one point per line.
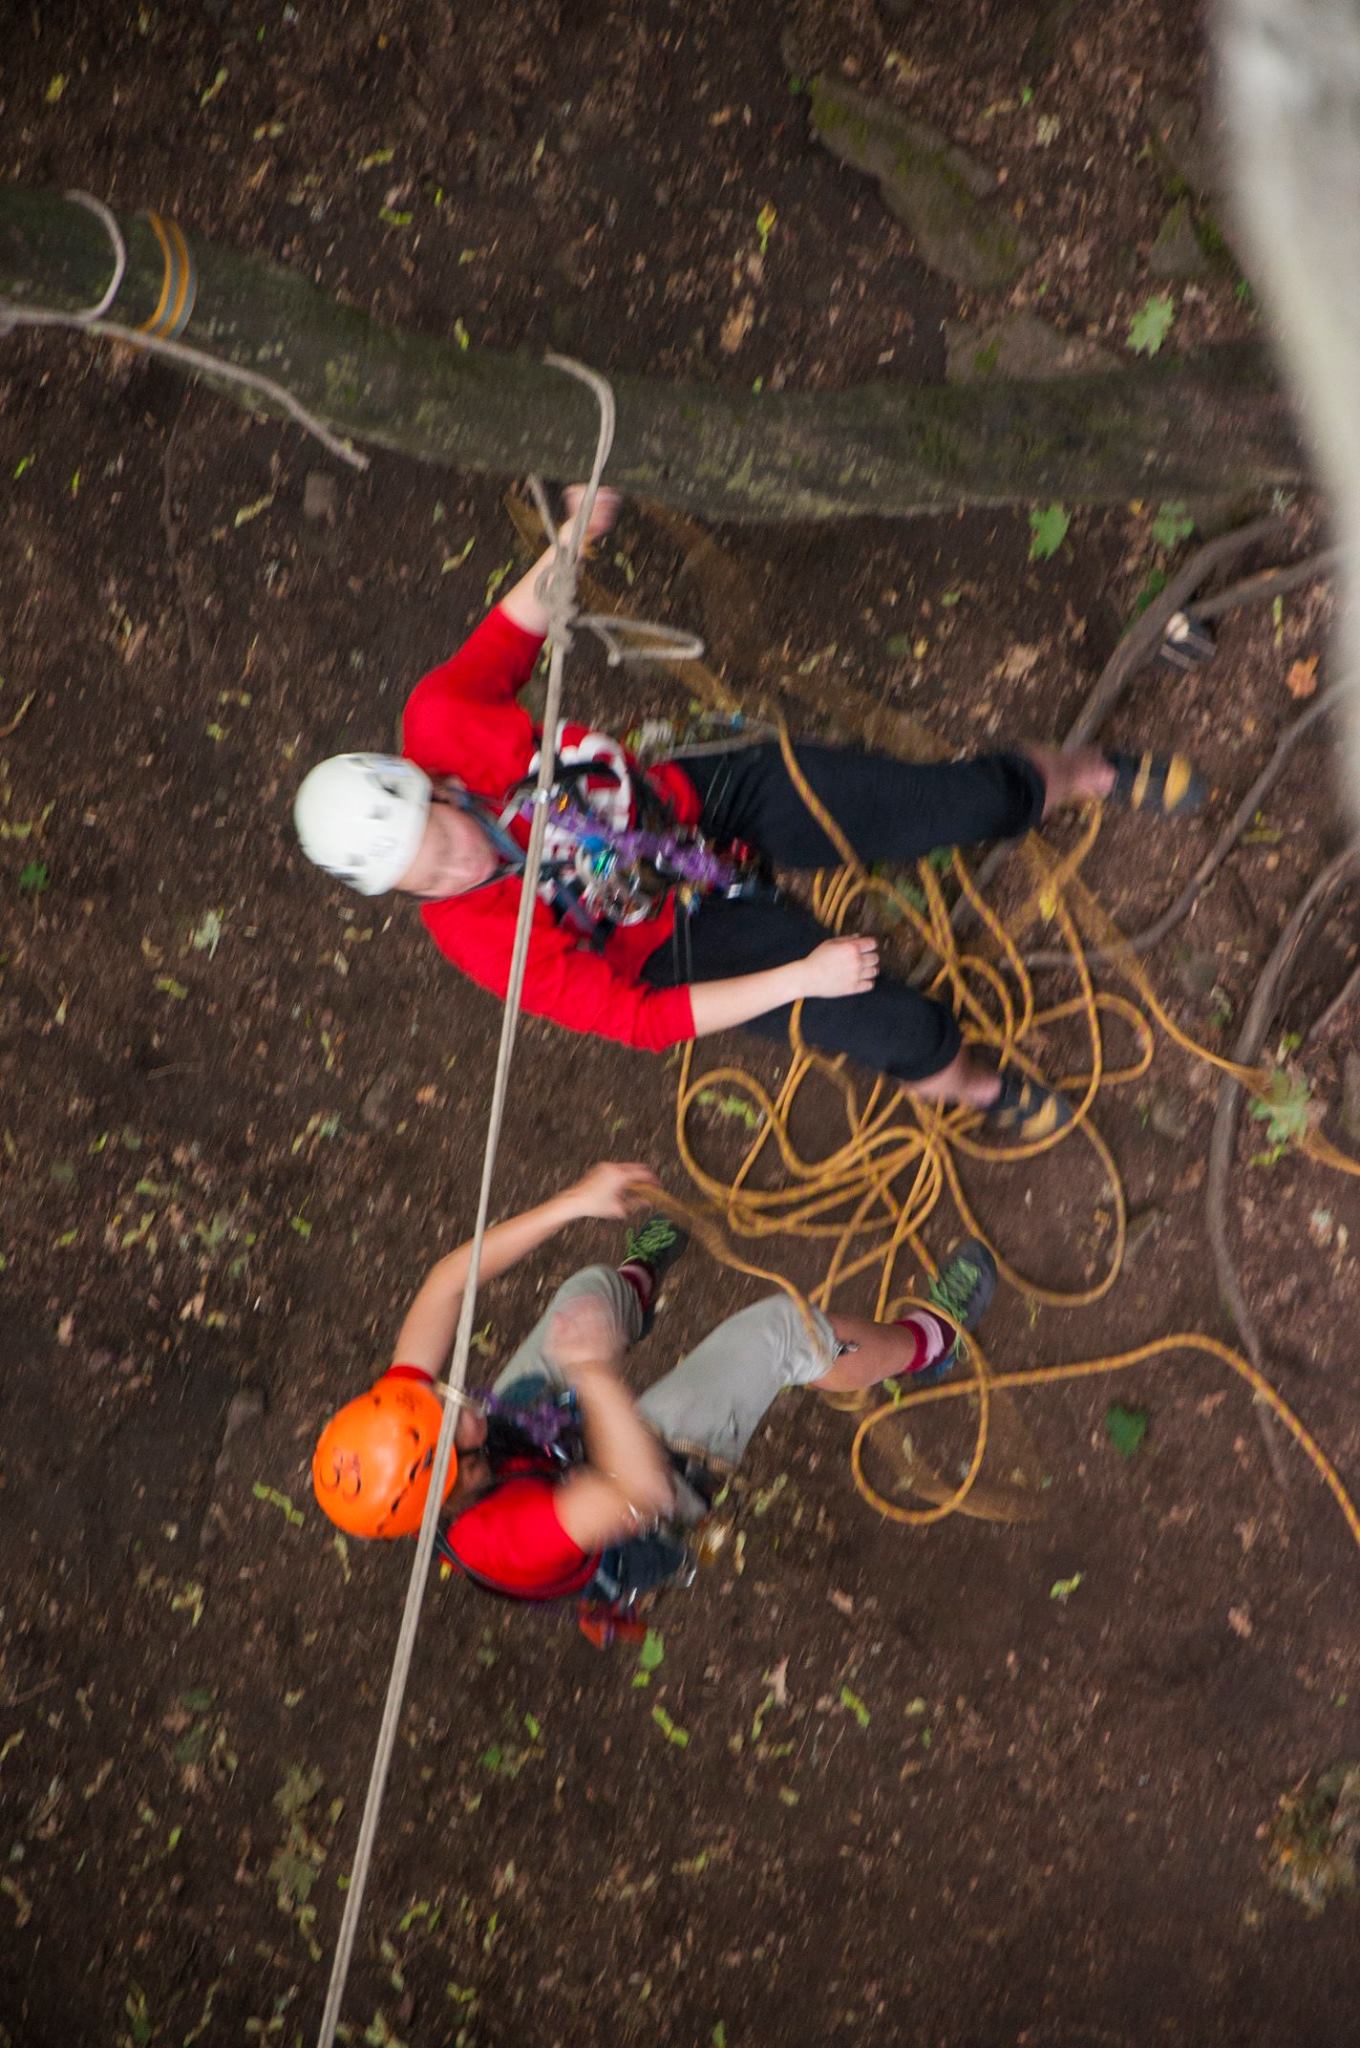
463	719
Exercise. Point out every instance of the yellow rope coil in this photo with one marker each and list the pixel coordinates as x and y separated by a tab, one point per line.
874	1192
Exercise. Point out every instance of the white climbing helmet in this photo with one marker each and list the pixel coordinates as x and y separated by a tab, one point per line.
361	817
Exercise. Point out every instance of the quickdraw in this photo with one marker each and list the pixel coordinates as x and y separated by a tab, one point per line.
610	876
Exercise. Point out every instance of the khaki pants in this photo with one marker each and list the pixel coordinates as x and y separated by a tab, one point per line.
712	1402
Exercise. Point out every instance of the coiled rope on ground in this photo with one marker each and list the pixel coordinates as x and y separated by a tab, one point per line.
873	1193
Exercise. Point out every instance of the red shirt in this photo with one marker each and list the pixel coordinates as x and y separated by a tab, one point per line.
514	1541
512	1538
463	719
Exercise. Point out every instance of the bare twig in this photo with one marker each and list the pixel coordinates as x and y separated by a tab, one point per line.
1349	989
1270	583
18	718
1145	635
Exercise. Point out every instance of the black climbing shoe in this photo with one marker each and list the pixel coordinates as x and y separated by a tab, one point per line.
1164	783
1026	1110
963	1288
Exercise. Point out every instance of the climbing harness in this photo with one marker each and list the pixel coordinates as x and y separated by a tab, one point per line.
598	872
542	1437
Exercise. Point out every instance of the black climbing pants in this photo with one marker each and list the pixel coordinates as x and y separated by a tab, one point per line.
892	812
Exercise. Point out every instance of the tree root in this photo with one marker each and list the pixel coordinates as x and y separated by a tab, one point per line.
1152	934
1137	647
1255	1024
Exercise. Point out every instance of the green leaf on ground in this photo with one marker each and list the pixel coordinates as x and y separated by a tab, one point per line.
1172	525
731	1105
1063	1589
206	935
297	1791
652	1651
672	1733
1127	1427
1151	324
853	1704
1153	587
1047	531
34	878
1284	1112
280	1501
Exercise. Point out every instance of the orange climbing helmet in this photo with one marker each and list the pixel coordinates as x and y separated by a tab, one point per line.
371	1466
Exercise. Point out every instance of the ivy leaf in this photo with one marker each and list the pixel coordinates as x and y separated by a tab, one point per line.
1047	531
1151	324
1127	1428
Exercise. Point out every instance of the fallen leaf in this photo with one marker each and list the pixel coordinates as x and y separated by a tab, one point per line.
1127	1427
737	326
853	1704
1239	1621
1301	681
245	513
1151	324
1018	663
1047	531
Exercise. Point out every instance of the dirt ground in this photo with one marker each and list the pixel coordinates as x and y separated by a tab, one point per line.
925	1795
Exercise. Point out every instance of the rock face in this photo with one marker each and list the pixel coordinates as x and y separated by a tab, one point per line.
1190	147
933	188
1177	252
1019	345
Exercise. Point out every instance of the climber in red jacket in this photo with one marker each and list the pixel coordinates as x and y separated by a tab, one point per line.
658	921
564	1483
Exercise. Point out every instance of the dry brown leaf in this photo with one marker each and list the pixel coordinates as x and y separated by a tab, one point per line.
1302	678
1018	663
737	326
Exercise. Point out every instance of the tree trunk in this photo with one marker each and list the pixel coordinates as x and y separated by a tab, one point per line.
1213	425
